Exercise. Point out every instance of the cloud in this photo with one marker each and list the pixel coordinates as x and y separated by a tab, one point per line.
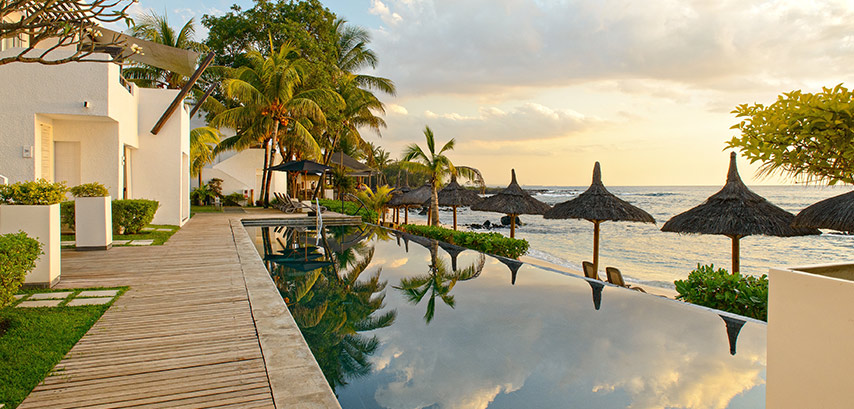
478	46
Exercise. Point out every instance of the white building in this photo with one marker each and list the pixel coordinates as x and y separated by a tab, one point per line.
241	172
82	122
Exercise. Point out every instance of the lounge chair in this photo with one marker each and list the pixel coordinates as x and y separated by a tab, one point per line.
288	205
589	270
616	277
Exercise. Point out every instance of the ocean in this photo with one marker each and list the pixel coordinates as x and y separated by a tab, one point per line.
646	255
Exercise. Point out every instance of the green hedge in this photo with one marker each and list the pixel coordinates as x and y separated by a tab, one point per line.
718	289
492	243
129	215
39	192
93	189
368	216
18	255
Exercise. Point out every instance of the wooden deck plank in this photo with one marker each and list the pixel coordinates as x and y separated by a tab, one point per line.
182	336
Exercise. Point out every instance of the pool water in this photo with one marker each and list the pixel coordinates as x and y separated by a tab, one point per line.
399	321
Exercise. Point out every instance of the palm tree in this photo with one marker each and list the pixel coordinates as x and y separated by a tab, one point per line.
269	103
155	28
203	141
436	165
438	282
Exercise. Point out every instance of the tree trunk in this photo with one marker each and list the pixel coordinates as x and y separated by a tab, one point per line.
264	171
273	147
434	204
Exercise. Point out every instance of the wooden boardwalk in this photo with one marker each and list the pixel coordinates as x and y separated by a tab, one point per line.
182	336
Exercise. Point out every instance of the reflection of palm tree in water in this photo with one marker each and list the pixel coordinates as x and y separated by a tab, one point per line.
438	282
331	306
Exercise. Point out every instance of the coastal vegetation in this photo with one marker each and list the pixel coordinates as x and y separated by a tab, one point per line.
716	288
491	243
34	340
808	136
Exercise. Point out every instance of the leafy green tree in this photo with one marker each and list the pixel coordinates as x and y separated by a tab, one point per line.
269	104
803	135
203	142
155	28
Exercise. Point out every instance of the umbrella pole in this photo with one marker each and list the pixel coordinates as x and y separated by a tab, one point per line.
406	214
455	217
596	246
735	253
512	226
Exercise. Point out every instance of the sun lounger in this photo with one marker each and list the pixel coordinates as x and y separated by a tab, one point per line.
589	270
616	277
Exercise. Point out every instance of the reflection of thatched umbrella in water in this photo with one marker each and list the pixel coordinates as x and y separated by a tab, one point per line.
512	201
735	211
452	251
835	213
733	327
597	205
597	292
411	198
513	265
455	195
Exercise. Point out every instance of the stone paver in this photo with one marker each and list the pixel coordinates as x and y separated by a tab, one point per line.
142	242
40	303
20	296
163	229
89	301
50	296
147	229
67	243
98	293
120	242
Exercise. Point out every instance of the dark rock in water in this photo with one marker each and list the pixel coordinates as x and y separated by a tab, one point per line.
487	224
505	220
423	211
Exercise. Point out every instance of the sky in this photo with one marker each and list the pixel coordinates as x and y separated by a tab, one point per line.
548	87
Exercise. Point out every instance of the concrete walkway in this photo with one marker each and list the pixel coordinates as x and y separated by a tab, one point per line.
186	334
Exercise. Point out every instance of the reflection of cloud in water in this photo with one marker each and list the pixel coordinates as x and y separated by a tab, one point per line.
398	262
541	344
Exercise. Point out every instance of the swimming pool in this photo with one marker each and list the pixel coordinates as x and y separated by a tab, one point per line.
399	321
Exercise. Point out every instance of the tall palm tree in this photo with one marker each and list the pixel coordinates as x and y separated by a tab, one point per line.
155	28
435	164
270	104
203	141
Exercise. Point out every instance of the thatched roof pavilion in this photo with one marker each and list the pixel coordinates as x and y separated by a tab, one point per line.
735	211
455	195
835	213
412	198
597	205
512	201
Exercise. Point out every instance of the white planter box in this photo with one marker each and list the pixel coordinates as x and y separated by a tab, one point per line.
328	194
41	223
93	220
810	328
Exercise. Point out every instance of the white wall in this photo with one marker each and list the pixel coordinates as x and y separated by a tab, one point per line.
241	171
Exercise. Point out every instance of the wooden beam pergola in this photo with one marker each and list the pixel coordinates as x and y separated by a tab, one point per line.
182	94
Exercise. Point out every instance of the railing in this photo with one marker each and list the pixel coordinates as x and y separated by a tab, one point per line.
361	203
125	83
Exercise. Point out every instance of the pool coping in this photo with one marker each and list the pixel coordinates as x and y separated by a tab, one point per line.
295	377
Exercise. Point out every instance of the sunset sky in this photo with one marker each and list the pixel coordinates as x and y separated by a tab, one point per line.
550	86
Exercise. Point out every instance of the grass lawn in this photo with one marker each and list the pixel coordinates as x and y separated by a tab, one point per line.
159	237
34	340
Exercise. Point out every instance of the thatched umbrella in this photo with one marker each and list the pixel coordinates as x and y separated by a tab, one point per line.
835	213
411	198
598	205
455	195
735	211
512	201
396	192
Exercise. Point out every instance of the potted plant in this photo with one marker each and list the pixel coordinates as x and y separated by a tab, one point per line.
93	217
33	207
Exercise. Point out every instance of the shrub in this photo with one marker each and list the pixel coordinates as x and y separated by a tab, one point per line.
233	199
743	295
368	216
131	215
39	192
18	255
492	243
66	213
93	189
215	186
202	195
